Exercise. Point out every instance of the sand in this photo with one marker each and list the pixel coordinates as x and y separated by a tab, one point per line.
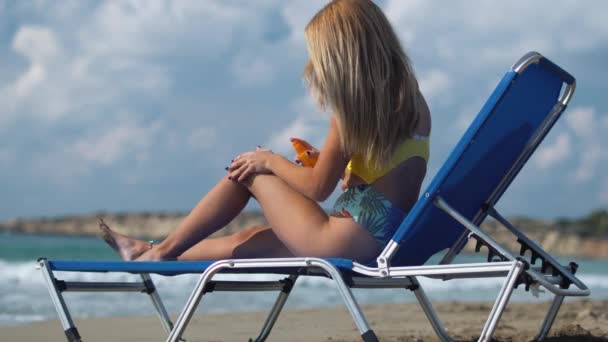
580	320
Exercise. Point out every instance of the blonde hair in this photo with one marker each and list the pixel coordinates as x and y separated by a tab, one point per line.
358	68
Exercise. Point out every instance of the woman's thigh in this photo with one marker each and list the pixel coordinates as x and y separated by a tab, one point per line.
252	242
305	228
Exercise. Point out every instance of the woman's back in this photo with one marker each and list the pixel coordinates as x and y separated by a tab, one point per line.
402	184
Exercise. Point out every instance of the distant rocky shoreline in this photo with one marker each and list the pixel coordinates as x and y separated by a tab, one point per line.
550	235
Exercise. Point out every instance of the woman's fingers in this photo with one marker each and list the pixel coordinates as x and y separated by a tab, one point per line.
236	164
240	170
248	170
239	160
241	173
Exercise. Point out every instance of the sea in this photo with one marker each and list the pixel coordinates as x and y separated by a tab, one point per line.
24	297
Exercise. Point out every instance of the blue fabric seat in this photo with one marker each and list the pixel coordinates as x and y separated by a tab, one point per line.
169	268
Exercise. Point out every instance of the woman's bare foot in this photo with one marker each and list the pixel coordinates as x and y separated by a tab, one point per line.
128	248
153	254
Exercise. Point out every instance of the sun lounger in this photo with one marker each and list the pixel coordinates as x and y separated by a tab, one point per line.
510	126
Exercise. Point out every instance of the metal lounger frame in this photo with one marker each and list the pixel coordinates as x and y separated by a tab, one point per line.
516	270
401	277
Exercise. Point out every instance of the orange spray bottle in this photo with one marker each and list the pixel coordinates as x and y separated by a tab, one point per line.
302	148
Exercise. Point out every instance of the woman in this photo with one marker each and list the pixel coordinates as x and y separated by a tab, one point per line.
378	133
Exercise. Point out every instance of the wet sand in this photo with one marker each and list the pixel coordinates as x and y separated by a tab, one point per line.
580	320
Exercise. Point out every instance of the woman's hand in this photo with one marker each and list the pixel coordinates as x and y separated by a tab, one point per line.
249	163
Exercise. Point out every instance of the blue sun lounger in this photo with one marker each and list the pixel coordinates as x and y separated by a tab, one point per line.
510	126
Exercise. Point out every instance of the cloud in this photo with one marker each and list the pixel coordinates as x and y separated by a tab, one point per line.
434	82
590	157
103	90
126	139
581	120
488	33
587	128
201	138
65	161
39	46
251	70
309	124
549	155
37	43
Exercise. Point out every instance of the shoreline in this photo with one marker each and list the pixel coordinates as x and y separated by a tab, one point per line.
156	225
579	320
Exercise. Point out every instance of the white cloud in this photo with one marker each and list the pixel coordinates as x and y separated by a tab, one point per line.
116	85
37	43
65	161
117	142
549	155
434	82
591	155
581	121
309	124
202	138
301	127
474	34
251	70
27	82
297	14
589	138
39	46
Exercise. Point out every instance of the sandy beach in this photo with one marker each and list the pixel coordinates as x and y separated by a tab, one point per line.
580	320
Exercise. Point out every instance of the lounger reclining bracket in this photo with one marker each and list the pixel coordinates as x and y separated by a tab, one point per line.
548	263
493	254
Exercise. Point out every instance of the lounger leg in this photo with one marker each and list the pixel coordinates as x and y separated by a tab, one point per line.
194	300
276	309
367	334
430	312
69	328
550	318
501	302
184	318
165	320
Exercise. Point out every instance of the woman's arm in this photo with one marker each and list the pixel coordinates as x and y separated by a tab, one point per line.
316	182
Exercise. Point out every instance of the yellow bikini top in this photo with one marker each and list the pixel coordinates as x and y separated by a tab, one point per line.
417	146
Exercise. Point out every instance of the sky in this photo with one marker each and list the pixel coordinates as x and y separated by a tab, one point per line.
139	105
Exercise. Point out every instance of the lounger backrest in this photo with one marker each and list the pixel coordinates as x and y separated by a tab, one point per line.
485	161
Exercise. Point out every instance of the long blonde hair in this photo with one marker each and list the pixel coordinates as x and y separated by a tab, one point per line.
359	70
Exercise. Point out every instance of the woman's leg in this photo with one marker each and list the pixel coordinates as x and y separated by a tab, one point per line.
300	227
298	222
304	227
253	242
216	209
